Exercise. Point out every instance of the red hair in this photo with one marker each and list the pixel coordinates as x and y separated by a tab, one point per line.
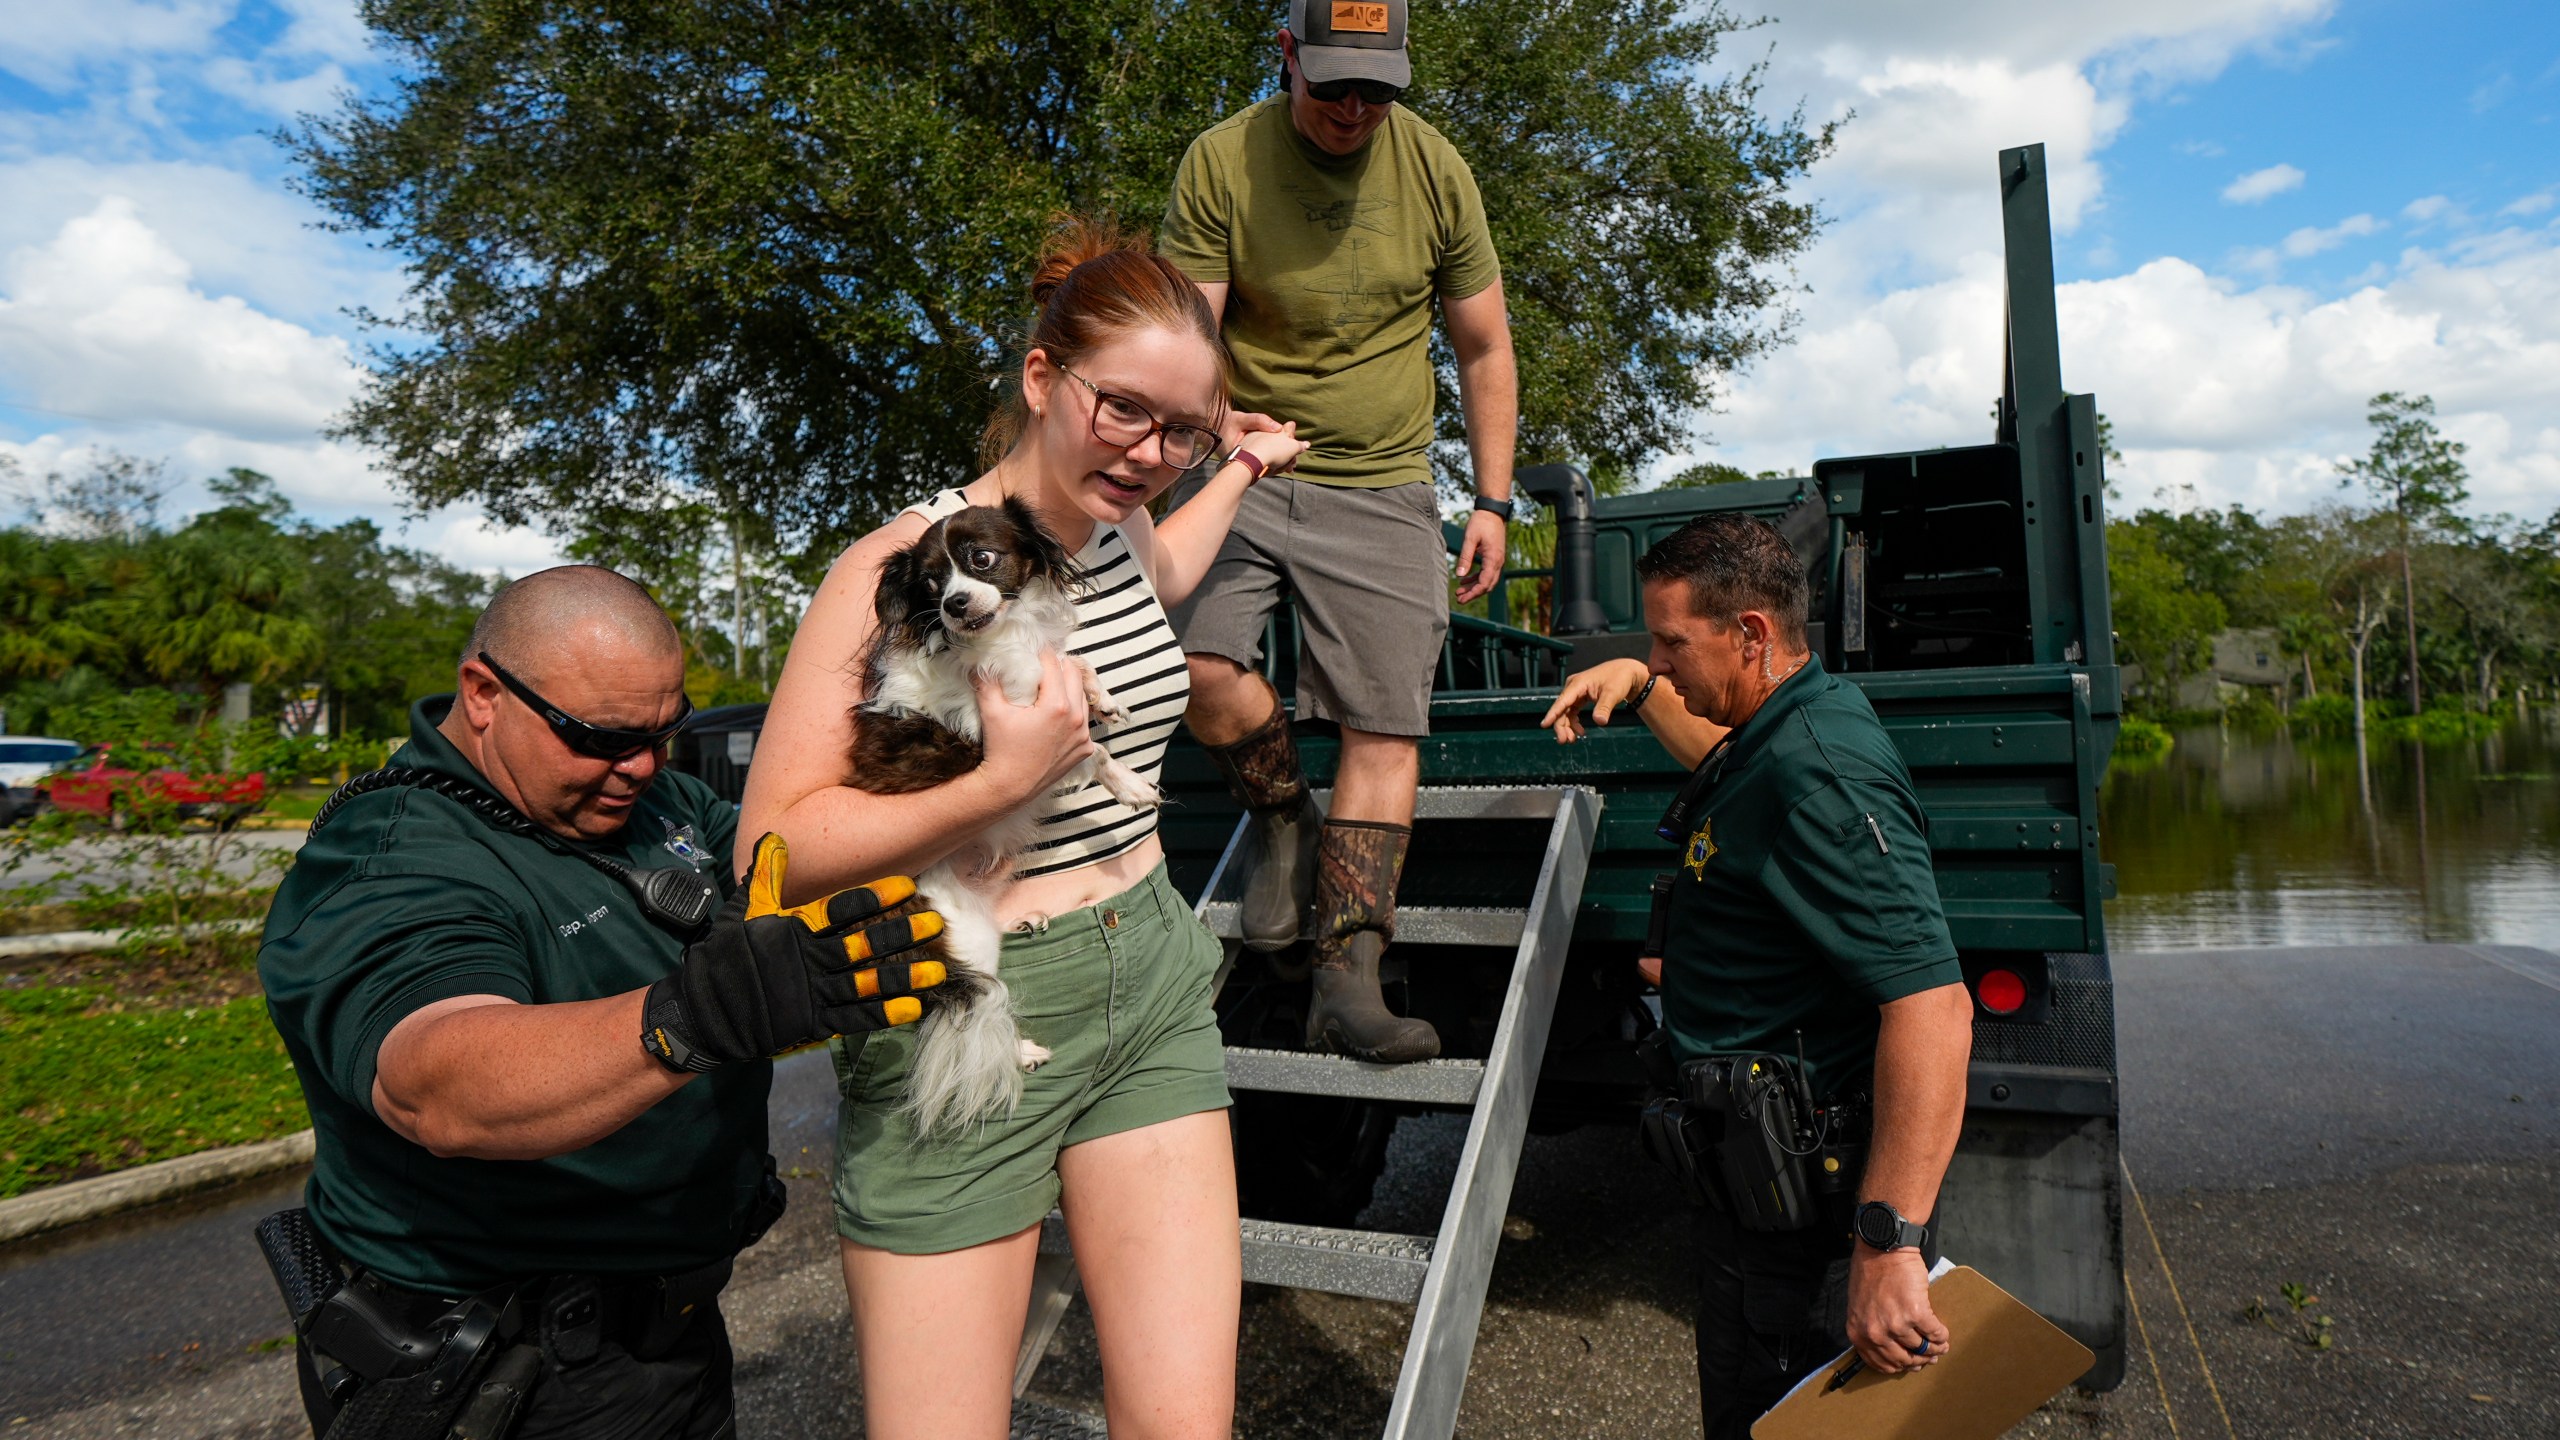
1096	283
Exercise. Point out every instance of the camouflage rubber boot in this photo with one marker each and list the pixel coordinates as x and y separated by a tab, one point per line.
1357	864
1262	773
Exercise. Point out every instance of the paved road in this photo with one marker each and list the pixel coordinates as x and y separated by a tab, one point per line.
248	853
2337	1118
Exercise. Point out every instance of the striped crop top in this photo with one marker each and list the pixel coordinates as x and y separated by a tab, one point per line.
1122	633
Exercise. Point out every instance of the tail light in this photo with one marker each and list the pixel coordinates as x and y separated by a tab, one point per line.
2002	992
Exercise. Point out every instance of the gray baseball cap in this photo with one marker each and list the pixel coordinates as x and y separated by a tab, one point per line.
1351	40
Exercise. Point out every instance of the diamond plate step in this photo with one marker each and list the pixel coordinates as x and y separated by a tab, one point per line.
1372	1264
1035	1421
1415	924
1475	802
1299	1072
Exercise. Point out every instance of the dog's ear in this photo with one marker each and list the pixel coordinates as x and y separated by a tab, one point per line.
902	588
1048	559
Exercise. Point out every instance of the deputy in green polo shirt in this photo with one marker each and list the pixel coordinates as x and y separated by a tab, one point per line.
1803	905
533	1026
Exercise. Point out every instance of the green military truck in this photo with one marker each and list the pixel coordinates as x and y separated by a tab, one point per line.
1964	589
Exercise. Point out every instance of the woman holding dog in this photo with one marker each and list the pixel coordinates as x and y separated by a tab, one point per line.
1123	387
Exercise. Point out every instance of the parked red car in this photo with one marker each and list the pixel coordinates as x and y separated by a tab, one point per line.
101	783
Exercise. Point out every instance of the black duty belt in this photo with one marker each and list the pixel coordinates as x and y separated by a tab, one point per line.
390	1361
1743	1134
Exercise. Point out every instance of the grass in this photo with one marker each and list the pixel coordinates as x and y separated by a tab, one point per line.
296	802
2141	739
97	1080
40	918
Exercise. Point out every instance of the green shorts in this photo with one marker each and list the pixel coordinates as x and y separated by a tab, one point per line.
1120	993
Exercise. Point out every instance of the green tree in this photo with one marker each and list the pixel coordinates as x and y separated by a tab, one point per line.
390	623
2163	622
2419	474
1713	472
2223	552
220	607
765	254
2347	556
112	496
45	619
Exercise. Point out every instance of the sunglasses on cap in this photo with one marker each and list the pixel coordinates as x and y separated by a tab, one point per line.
1371	92
596	742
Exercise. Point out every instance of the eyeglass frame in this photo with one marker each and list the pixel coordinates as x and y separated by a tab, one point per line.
595	742
1154	426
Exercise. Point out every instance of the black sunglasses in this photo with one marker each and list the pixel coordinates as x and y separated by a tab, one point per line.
1373	92
596	742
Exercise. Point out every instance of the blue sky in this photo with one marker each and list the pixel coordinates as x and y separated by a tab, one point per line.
2265	211
2384	104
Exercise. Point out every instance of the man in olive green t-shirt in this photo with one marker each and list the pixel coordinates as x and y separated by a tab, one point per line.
1323	223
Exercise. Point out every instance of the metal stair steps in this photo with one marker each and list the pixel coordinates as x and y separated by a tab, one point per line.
1301	1072
1371	1264
1476	802
1495	927
1444	1276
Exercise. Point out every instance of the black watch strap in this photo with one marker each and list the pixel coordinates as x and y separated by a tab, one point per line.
1494	507
1881	1227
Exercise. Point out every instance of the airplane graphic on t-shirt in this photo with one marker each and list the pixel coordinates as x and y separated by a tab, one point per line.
1337	216
1359	302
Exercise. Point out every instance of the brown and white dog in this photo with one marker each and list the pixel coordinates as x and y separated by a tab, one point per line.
984	591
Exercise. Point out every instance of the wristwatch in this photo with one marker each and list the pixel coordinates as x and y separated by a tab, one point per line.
1494	507
1882	1227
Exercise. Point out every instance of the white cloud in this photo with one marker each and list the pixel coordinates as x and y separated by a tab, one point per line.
2533	204
327	481
105	324
2427	208
58	46
2308	241
2260	185
475	542
237	233
50	43
2311	240
2230	393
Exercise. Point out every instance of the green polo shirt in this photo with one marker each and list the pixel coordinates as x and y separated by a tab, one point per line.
405	898
1804	897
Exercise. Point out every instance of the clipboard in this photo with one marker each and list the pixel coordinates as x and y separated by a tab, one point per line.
2003	1361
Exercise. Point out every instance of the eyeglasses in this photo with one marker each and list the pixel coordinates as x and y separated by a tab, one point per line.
1122	422
1372	92
596	742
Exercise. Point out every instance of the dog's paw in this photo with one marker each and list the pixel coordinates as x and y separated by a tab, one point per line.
1129	787
1110	711
1032	1054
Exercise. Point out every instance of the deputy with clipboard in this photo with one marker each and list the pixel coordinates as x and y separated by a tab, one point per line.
1817	1023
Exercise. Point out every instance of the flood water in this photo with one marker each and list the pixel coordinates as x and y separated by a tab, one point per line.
2241	838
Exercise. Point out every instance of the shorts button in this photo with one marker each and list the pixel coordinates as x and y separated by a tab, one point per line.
1110	919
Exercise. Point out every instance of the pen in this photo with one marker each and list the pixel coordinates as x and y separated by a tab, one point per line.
1849	1372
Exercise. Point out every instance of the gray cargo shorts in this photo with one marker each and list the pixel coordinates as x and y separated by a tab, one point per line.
1370	572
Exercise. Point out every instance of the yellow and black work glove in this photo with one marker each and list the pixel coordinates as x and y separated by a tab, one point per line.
769	979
